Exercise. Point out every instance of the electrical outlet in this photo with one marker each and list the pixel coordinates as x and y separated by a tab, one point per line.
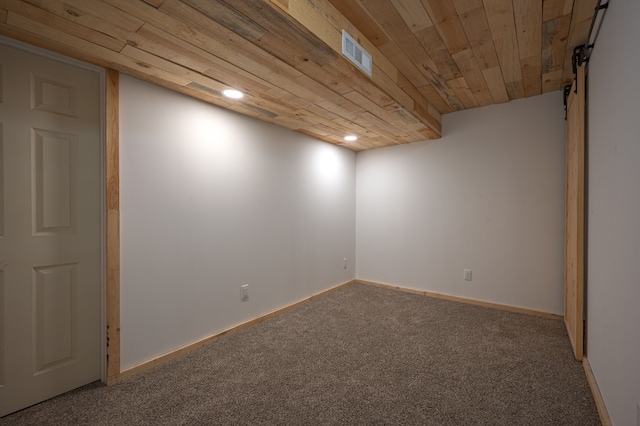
467	274
344	263
245	292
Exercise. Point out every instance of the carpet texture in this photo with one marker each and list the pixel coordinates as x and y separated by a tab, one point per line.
360	355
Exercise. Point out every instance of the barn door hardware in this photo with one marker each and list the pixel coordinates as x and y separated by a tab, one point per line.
582	53
566	93
579	57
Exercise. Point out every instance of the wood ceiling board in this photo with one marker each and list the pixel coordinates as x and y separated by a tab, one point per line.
408	67
228	17
531	75
392	22
56	22
201	85
414	14
552	9
583	10
327	23
367	88
420	62
91	10
418	99
528	18
378	125
355	13
404	40
43	35
500	16
554	41
17	33
463	6
436	100
551	81
78	15
473	77
173	72
448	24
509	59
429	57
433	44
382	80
475	24
495	82
442	88
464	93
164	45
528	23
210	36
190	25
367	105
155	3
276	22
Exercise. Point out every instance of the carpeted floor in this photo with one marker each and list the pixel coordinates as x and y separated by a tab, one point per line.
360	355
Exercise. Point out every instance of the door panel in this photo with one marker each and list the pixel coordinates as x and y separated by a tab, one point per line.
574	211
56	334
54	174
51	215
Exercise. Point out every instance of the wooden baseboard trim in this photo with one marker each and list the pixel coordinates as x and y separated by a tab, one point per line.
207	340
464	300
597	396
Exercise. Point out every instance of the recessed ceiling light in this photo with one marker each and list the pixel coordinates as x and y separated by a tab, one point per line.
233	94
350	138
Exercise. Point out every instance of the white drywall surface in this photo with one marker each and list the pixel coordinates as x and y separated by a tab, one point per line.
488	196
212	200
613	214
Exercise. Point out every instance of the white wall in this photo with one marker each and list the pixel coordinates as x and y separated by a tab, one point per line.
488	196
613	284
211	200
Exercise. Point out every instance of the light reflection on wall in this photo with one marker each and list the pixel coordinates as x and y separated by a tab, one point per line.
327	163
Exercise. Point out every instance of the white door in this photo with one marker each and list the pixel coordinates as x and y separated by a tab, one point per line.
50	228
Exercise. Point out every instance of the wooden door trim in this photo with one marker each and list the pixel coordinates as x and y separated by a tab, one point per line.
112	240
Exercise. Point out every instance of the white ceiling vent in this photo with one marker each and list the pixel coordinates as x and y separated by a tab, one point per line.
356	54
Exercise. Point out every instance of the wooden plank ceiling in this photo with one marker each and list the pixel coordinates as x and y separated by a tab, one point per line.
430	57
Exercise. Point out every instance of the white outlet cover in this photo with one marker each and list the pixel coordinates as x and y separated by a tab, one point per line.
245	292
467	275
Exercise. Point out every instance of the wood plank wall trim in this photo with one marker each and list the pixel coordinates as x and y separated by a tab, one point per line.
207	340
464	300
112	136
597	396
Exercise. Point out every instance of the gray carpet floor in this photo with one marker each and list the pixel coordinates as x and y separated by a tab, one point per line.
361	355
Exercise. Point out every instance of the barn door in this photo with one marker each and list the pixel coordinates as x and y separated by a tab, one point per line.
50	228
574	215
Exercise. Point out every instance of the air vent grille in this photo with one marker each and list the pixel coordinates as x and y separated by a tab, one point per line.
355	53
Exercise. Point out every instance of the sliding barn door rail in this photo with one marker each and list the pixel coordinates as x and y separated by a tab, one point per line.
582	53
